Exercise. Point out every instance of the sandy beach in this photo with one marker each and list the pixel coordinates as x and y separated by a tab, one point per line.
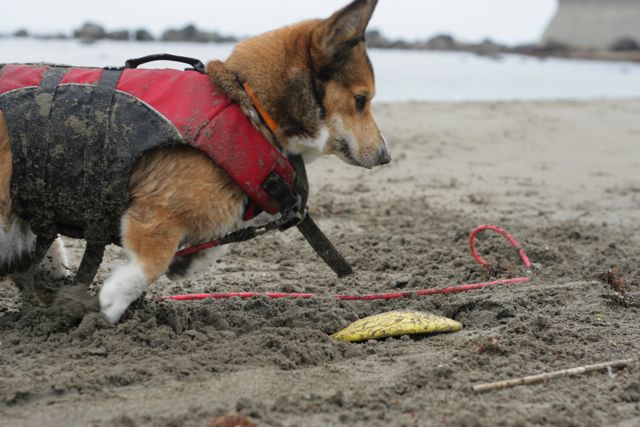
563	177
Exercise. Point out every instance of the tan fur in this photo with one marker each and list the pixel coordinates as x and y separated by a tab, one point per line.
178	196
6	169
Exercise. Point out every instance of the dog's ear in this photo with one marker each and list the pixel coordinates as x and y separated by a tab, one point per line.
337	34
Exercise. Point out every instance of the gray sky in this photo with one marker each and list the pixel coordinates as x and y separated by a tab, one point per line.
510	21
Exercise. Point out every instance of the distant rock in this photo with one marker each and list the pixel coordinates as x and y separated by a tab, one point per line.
54	36
625	44
192	34
489	48
118	35
375	38
188	33
623	49
143	35
549	48
442	42
90	32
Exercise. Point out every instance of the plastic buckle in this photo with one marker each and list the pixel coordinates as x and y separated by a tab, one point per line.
291	209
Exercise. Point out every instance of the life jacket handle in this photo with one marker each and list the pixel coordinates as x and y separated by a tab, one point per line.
196	64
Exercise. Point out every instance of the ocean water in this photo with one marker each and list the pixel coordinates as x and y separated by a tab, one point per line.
401	75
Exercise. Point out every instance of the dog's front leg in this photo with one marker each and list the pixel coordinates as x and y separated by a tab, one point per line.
150	241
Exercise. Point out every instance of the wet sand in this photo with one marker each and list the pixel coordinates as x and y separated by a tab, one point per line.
563	177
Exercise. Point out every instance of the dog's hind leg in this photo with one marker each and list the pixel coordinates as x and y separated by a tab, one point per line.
16	238
55	273
55	262
17	244
24	279
150	241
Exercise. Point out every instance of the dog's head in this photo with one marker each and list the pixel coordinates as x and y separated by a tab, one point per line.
345	75
316	80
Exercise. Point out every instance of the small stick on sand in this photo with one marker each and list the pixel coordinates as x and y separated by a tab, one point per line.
532	379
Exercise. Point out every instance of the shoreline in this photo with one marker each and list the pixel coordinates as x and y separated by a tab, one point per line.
400	75
624	49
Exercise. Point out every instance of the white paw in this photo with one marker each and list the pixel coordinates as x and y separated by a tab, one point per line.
113	311
112	305
124	286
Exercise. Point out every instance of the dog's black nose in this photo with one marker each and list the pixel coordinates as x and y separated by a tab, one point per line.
385	157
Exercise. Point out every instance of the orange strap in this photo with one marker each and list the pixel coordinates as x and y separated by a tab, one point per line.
271	124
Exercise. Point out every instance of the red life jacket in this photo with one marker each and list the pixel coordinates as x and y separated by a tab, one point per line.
186	104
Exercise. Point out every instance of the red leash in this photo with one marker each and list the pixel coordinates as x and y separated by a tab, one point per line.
509	237
195	249
386	296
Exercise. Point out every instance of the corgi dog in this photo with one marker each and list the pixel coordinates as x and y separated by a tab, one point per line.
314	78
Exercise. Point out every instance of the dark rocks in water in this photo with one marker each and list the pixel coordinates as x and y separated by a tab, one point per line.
21	33
555	48
188	33
54	36
90	32
143	35
485	48
549	48
218	38
625	48
625	44
118	35
442	42
192	34
375	38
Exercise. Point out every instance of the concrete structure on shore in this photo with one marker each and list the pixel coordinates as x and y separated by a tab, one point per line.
594	23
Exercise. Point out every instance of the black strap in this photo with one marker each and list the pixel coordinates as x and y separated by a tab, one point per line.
36	164
316	238
323	247
285	195
292	199
302	182
98	185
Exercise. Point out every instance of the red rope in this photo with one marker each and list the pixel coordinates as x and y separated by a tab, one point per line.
195	249
509	237
386	296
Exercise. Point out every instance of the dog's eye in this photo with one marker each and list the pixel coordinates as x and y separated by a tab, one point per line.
361	102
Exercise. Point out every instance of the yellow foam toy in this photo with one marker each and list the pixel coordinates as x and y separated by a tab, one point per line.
396	323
